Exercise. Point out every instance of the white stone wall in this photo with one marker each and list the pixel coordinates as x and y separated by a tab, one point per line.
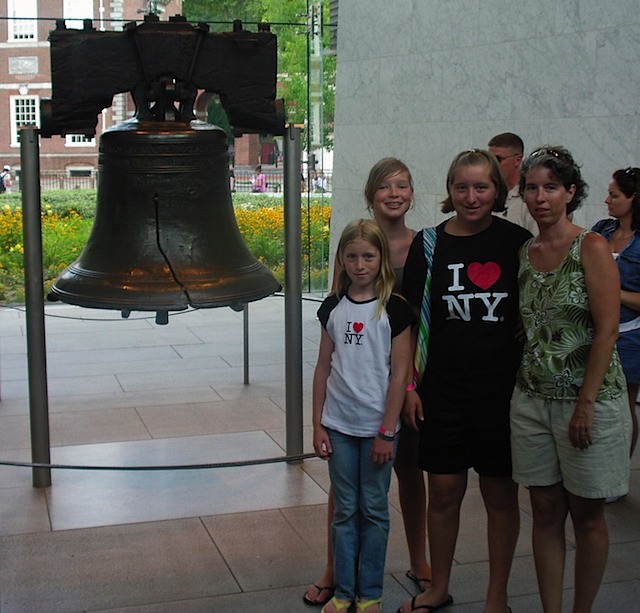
424	79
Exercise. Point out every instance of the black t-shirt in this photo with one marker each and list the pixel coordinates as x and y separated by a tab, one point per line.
473	352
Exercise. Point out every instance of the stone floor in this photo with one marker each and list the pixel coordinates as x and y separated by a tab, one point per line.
126	393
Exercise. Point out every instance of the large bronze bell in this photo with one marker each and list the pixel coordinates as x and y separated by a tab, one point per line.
165	236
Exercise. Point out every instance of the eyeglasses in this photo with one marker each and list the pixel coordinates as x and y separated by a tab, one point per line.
631	171
550	151
501	158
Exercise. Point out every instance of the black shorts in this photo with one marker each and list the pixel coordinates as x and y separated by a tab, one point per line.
473	435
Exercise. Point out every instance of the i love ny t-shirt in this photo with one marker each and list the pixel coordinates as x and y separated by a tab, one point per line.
357	386
473	351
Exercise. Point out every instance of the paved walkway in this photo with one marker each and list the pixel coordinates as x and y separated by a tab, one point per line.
249	538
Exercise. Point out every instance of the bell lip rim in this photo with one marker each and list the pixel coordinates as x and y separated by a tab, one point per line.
174	306
163	128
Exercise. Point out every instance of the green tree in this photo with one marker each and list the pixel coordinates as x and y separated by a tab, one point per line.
219	14
217	116
288	19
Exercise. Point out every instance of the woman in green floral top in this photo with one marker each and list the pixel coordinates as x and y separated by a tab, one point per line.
569	420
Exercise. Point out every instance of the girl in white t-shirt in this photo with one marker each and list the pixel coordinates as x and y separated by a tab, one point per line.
358	392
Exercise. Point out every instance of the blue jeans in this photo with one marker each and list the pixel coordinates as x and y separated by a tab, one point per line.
360	526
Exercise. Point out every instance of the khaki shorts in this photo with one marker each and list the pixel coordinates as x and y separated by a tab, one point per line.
542	454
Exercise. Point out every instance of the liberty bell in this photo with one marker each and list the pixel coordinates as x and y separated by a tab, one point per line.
164	236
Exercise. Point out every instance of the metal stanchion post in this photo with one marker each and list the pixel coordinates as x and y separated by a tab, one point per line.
34	300
245	340
293	290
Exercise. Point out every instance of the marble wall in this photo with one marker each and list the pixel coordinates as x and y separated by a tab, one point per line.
424	79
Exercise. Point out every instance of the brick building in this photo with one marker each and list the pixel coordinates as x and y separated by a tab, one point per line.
25	76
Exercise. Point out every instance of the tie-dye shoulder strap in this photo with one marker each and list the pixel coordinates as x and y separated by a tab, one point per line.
422	346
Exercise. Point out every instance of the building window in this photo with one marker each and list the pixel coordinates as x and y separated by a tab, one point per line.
79	140
80	177
80	171
25	111
22	19
333	25
76	10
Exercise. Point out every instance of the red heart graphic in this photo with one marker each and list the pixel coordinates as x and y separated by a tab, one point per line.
483	275
357	327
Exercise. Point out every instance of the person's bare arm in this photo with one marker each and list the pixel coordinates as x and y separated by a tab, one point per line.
603	290
382	451
321	444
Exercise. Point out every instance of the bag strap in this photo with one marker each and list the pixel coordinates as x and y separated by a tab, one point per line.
422	345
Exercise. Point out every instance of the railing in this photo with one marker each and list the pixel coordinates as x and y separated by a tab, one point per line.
59	180
64	181
50	180
275	181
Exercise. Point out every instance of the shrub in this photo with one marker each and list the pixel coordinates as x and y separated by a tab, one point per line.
61	202
63	236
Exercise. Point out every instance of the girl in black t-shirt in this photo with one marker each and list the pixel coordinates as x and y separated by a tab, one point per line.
461	401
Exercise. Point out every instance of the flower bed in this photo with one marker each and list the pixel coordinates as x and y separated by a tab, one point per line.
67	217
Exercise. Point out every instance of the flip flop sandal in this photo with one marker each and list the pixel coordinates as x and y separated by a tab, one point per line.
429	607
338	605
417	580
319	603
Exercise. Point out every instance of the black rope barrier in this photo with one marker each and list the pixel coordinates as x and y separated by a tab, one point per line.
206	466
235	464
139	20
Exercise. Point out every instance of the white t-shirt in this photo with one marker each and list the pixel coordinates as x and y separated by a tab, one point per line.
361	361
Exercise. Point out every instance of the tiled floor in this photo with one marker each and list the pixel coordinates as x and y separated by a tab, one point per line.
130	393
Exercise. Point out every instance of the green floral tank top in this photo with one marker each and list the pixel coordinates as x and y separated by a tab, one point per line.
555	313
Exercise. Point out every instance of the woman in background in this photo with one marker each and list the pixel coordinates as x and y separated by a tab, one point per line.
259	181
623	234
